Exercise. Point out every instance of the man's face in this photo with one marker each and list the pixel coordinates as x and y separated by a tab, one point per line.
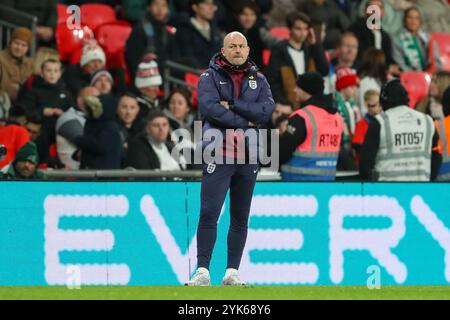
25	168
127	110
18	48
51	72
34	129
205	10
247	18
373	105
93	66
158	129
281	109
348	49
299	31
103	84
150	92
159	10
236	49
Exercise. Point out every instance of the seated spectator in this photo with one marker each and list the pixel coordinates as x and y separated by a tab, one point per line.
327	11
147	82
432	104
103	81
100	143
198	37
15	66
24	166
347	83
374	38
69	126
372	104
13	136
258	36
152	37
228	11
79	76
372	74
48	98
411	45
42	54
46	14
294	57
34	128
346	93
345	57
276	17
178	111
152	149
129	124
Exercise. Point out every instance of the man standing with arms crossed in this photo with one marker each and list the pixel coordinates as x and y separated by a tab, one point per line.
232	95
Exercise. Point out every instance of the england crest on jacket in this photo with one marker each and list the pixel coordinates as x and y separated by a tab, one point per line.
252	83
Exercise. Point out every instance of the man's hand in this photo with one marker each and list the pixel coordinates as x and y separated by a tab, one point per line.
225	104
312	36
45	33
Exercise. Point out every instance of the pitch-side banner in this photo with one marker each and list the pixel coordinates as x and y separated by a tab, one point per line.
129	233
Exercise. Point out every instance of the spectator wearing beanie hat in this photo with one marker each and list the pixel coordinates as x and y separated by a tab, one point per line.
103	81
147	82
347	83
79	76
15	67
298	155
24	165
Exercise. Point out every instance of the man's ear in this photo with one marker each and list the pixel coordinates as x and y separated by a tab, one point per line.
222	50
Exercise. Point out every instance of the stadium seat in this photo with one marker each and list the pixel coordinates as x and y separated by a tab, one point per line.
94	15
443	42
70	42
192	79
417	85
280	32
266	56
61	10
112	38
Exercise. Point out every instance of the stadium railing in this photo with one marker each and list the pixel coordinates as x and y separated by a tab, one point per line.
11	19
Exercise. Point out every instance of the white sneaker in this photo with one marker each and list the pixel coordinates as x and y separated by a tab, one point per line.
200	278
231	278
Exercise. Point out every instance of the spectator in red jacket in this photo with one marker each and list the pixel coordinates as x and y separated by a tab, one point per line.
13	137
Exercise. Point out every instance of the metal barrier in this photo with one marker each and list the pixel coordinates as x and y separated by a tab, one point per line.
156	175
11	19
170	81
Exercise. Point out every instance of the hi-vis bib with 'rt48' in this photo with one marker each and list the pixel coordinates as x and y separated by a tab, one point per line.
406	138
316	157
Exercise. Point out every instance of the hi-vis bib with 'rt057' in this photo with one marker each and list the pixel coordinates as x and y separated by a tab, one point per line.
406	138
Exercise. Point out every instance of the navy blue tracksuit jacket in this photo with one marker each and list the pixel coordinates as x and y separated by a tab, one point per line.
253	103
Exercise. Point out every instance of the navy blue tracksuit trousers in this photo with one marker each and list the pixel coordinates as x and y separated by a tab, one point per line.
240	179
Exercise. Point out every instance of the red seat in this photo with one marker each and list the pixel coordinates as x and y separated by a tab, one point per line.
94	15
70	41
266	56
112	38
280	32
192	79
443	42
417	84
61	10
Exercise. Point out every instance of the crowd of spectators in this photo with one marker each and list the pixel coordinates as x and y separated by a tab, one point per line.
89	116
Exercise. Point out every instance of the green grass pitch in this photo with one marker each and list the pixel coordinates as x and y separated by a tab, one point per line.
228	293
